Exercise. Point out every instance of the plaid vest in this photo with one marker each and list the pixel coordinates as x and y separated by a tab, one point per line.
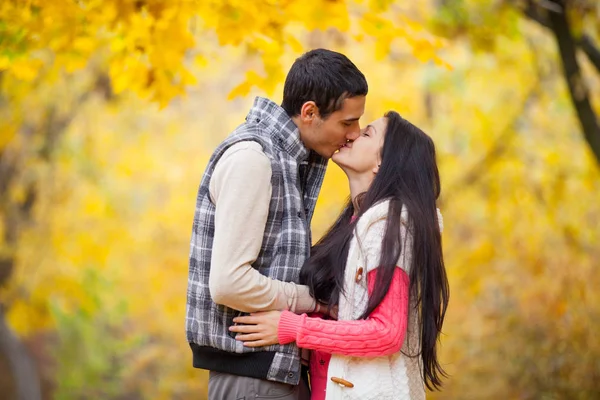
297	175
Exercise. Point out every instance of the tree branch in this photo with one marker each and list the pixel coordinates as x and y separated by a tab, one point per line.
577	87
585	43
535	14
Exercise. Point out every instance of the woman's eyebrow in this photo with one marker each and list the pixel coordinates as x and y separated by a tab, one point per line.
372	127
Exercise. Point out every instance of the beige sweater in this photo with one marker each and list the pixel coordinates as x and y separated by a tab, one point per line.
241	190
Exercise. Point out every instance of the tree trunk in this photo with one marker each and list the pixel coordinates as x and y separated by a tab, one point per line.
24	372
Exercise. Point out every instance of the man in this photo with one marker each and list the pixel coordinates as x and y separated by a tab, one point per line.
251	230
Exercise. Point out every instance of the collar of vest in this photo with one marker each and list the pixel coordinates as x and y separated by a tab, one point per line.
281	127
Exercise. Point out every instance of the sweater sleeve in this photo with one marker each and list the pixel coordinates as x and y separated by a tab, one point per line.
382	333
241	190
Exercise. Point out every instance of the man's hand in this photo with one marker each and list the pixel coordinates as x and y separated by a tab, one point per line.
258	329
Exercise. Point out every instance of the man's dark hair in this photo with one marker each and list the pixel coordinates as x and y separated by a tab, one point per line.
325	77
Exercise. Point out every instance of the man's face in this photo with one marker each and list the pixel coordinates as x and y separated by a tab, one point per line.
329	135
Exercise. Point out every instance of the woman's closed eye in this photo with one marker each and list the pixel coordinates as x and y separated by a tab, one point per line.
368	131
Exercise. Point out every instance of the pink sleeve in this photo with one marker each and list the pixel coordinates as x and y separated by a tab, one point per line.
382	333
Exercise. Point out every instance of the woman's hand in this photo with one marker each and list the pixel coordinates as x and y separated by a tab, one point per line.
257	329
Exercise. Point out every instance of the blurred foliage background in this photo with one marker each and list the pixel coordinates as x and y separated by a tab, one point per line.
109	110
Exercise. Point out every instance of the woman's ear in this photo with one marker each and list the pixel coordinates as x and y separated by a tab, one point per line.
376	169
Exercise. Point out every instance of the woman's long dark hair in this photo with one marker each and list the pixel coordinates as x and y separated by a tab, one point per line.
408	175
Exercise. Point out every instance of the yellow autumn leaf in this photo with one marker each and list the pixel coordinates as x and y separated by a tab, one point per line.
423	50
25	69
240	90
294	43
4	62
84	44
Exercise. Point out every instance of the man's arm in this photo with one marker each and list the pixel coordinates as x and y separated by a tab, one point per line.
241	189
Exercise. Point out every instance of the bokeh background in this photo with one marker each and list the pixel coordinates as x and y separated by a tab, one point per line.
109	110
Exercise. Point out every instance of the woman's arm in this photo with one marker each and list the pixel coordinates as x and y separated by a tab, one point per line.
382	333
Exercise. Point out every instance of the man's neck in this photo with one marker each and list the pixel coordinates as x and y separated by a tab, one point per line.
302	135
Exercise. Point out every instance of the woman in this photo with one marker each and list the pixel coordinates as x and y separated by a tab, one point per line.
381	266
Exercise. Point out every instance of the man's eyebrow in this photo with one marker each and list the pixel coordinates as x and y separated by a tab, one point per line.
352	119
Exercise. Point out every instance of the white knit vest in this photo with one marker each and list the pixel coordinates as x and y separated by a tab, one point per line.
394	377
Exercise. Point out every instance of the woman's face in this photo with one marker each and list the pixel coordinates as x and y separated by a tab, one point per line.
364	154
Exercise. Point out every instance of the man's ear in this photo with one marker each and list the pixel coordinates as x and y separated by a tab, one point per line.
309	112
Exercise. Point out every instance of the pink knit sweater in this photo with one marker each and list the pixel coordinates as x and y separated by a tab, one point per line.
382	333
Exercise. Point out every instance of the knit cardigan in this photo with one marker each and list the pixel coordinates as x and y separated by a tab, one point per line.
395	376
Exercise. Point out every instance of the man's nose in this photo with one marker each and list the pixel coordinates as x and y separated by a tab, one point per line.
352	136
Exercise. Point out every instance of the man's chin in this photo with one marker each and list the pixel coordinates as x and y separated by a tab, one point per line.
327	154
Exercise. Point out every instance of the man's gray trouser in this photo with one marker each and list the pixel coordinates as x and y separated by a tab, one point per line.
222	386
